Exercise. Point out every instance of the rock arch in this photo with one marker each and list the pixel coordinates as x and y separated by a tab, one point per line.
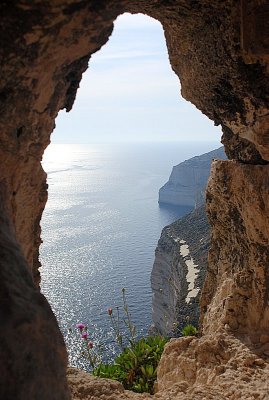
220	52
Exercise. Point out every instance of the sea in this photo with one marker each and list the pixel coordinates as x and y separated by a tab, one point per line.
100	228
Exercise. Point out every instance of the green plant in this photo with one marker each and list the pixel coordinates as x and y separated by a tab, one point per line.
128	322
189	330
136	366
116	325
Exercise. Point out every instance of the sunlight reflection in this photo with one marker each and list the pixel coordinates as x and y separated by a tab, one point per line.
59	157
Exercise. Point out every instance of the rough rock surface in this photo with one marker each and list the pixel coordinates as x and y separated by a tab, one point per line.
178	273
32	351
235	295
84	386
187	182
214	367
220	51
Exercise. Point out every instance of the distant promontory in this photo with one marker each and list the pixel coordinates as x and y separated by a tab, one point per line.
181	255
187	182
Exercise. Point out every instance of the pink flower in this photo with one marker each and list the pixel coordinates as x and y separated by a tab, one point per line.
84	335
110	311
90	345
80	326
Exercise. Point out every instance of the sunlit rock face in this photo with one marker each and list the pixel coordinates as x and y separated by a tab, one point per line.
220	52
187	182
235	296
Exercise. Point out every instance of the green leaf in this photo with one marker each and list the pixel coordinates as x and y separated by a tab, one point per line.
189	330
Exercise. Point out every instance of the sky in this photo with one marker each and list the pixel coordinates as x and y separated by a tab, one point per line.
130	93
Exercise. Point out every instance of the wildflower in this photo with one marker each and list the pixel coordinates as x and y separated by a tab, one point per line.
90	345
80	326
110	311
84	335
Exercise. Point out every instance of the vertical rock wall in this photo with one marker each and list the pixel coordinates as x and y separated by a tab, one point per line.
235	296
187	182
45	47
42	62
178	273
32	351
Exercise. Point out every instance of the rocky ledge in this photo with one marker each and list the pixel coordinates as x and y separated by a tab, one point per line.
214	367
84	386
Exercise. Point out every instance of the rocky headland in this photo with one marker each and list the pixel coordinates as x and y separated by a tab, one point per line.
181	255
187	182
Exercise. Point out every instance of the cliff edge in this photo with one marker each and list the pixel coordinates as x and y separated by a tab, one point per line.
179	271
181	255
187	182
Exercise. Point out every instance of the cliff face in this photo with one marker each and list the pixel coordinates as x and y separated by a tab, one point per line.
181	256
237	202
220	51
178	273
187	182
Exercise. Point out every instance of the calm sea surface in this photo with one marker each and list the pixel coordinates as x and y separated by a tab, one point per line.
100	229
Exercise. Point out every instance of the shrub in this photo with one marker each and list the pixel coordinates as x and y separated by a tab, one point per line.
189	330
136	366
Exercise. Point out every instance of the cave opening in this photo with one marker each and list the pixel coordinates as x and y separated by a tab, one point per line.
106	163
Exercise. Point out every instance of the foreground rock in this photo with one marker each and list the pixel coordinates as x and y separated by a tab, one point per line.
84	386
235	294
178	273
215	367
187	182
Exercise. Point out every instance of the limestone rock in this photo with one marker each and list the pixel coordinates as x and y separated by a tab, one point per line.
216	366
32	351
187	182
178	273
84	386
236	288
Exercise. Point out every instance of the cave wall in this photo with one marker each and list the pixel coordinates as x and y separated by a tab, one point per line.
235	296
219	50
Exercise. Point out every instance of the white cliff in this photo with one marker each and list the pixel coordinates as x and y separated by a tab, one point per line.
181	255
187	182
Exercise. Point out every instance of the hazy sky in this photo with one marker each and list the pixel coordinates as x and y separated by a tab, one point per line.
130	93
